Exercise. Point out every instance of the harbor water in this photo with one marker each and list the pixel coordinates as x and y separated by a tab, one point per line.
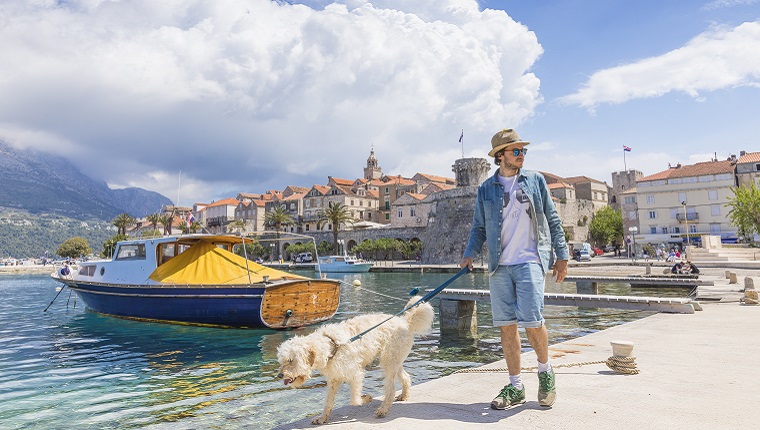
73	368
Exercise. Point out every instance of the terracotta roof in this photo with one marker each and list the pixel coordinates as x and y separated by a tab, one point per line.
577	179
435	178
399	180
296	196
373	193
259	203
554	185
226	202
340	181
750	157
698	169
416	196
551	177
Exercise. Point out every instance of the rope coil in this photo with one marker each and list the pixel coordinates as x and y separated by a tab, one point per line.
626	365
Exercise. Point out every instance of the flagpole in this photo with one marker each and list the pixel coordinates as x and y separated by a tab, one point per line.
625	166
461	140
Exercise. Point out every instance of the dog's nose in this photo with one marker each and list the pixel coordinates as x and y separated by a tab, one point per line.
280	375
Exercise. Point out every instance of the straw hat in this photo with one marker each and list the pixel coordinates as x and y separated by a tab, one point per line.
503	139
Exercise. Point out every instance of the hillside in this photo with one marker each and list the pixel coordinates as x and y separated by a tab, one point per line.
27	235
40	183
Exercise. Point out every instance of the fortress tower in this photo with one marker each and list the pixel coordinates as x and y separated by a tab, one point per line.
470	172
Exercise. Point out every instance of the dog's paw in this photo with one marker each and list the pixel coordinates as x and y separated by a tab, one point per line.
381	412
319	420
366	398
401	397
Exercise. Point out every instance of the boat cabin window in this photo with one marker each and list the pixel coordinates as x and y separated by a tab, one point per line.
87	270
166	251
131	252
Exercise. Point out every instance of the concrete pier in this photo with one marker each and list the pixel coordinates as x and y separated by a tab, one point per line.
697	371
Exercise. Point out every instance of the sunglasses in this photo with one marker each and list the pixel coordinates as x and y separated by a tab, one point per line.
516	152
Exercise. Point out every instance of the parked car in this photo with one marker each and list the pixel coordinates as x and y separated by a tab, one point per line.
584	255
304	257
598	251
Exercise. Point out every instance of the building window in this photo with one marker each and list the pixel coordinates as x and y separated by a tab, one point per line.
352	203
676	230
387	190
715	210
307	227
650	199
653	230
387	205
412	212
664	230
400	213
712	194
652	214
387	217
630	199
692	228
757	167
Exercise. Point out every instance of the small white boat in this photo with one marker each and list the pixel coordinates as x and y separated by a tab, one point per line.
342	264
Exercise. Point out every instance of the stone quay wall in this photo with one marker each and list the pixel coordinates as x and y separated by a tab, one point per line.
443	235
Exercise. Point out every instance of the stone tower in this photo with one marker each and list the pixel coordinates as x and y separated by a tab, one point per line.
622	182
470	172
373	170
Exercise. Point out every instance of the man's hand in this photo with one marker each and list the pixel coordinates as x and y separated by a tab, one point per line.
467	262
559	270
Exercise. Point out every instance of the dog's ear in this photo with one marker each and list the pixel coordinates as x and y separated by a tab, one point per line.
312	357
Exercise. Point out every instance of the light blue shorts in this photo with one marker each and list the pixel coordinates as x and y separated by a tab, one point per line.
517	295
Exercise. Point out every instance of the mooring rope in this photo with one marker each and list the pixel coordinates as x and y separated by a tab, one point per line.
619	364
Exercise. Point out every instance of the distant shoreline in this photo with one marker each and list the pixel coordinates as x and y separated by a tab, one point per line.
26	269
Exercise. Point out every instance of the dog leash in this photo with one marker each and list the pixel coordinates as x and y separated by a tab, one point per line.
424	299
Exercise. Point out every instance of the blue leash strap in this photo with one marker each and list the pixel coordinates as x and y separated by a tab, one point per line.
424	299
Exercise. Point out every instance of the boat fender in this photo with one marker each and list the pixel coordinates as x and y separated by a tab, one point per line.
357	283
64	271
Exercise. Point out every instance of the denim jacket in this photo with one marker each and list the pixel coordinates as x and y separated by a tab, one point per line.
486	222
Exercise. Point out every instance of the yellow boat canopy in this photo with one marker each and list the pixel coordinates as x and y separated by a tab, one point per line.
206	264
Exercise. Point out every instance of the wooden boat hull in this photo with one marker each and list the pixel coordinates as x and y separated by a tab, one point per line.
287	304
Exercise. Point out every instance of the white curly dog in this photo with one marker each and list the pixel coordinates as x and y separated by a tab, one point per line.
327	350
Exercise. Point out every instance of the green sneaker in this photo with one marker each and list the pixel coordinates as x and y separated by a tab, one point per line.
547	393
508	397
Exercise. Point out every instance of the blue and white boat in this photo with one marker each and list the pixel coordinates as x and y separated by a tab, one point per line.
342	264
197	279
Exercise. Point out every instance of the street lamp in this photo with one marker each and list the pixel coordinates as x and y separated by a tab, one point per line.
633	231
686	220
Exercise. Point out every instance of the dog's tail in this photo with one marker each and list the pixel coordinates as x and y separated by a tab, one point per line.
420	317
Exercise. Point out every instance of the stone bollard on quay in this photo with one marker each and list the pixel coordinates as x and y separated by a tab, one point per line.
750	293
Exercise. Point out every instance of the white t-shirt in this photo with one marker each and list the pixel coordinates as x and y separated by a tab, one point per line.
518	239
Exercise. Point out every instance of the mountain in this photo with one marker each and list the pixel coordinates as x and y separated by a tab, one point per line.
41	183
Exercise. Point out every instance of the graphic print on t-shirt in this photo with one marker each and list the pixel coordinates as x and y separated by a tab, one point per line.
517	238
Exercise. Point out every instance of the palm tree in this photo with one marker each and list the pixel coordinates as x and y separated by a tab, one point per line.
167	220
276	218
154	219
239	225
122	222
335	215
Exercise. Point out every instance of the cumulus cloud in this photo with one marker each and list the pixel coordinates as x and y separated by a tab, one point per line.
720	58
248	95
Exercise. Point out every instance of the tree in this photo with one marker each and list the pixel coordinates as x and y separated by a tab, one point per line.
238	225
276	218
606	226
75	247
109	246
122	222
154	219
335	215
745	210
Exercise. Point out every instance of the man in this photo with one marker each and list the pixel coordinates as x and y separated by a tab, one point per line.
516	218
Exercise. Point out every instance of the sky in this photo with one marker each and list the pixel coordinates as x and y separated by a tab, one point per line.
201	100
